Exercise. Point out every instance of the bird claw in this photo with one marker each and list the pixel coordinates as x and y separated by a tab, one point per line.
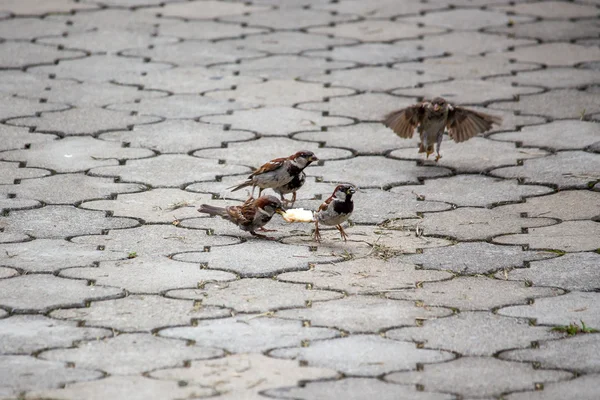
438	157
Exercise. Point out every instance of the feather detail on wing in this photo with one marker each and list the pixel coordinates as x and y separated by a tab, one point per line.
403	122
270	166
244	214
463	124
325	204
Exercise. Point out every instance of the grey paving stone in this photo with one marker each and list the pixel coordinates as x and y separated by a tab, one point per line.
365	276
16	137
551	10
51	255
555	78
68	188
111	19
184	136
13	106
285	66
42	292
563	103
7	272
153	206
279	93
30	28
472	293
354	389
16	204
376	172
270	121
205	10
84	121
24	334
468	19
74	154
559	135
288	19
566	170
363	107
15	82
363	355
203	29
122	388
378	30
578	271
11	237
379	9
22	373
100	68
21	7
475	258
487	333
108	41
585	387
401	202
549	31
364	314
578	353
256	152
569	236
244	375
255	258
155	240
573	307
188	53
23	54
476	190
9	171
375	78
53	222
148	275
556	54
249	334
469	91
139	313
169	170
470	223
472	44
254	295
478	377
128	354
564	205
378	53
289	42
3	313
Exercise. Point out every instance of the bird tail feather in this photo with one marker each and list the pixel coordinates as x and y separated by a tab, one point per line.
240	186
212	210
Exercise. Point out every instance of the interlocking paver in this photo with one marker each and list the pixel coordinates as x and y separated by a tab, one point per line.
554	78
488	333
584	387
43	292
286	19
204	30
476	191
363	355
24	334
205	10
244	375
13	106
32	7
127	354
475	258
549	31
561	310
555	54
379	9
478	377
563	205
467	19
8	272
245	334
569	236
23	54
472	44
563	103
289	42
474	293
139	313
378	31
552	9
8	203
15	82
10	171
378	53
30	28
254	295
22	373
120	19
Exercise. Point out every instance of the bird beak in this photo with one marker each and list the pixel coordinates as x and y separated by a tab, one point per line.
280	210
313	158
436	107
351	191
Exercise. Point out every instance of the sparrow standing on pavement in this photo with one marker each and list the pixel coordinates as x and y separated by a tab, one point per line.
291	187
250	216
432	117
278	172
336	210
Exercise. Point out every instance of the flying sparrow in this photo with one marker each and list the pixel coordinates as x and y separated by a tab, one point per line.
335	210
433	117
291	187
250	216
278	172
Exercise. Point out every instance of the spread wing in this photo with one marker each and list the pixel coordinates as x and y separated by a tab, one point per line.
403	122
270	166
463	124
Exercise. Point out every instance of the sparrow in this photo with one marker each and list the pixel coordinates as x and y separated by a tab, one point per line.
250	216
291	187
431	118
336	210
278	172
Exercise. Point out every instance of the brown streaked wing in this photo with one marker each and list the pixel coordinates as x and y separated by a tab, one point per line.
463	124
403	122
270	166
325	204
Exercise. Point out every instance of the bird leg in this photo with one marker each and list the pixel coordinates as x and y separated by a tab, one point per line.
293	199
438	144
259	191
342	233
317	233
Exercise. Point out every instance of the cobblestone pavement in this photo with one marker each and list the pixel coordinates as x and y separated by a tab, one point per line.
119	118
